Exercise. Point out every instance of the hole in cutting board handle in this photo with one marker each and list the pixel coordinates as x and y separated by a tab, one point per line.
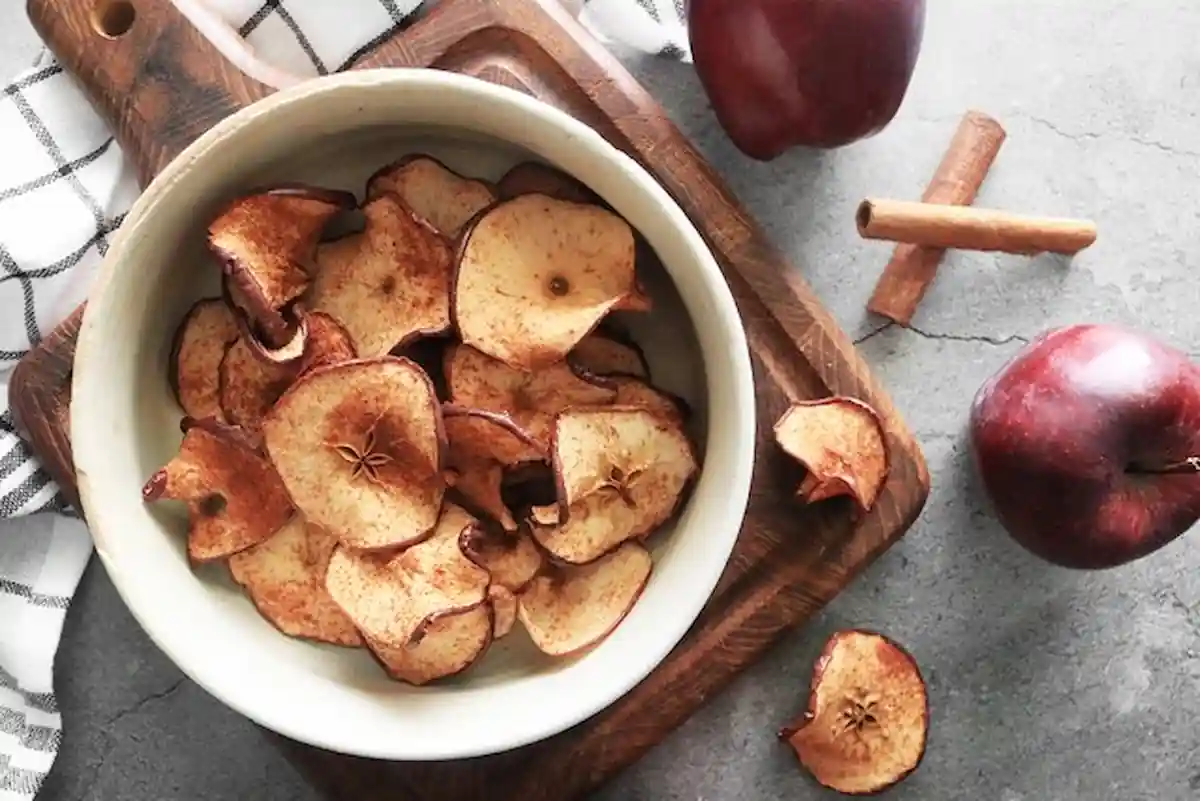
112	19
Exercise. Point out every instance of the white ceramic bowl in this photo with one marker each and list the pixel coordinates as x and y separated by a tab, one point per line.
125	423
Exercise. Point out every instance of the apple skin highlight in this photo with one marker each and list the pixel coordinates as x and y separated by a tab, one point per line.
1085	443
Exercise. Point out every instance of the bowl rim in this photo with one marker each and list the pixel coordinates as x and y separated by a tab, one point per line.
88	378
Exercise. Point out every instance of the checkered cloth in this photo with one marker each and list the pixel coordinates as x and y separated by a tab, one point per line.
65	187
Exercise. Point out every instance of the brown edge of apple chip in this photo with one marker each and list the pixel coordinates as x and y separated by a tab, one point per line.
785	733
480	530
290	352
557	183
274	328
491	638
419	632
607	330
177	341
871	412
497	418
409	158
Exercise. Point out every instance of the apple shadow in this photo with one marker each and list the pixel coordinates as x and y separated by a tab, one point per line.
1009	626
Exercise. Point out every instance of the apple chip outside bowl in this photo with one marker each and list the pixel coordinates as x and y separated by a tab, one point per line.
434	461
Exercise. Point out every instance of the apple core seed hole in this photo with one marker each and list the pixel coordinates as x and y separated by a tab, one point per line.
112	19
212	505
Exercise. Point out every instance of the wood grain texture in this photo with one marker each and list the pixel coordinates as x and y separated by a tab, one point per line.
789	561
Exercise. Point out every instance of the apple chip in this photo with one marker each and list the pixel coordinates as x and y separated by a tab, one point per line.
510	558
531	400
477	435
265	241
234	498
867	718
504	610
480	444
451	644
535	178
842	444
545	515
207	331
389	283
285	578
433	191
359	446
535	275
600	355
250	386
575	608
394	599
636	392
621	472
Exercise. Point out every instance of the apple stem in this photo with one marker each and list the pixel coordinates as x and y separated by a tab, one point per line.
1189	465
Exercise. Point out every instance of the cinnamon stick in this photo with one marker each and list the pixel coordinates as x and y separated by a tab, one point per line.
968	228
956	182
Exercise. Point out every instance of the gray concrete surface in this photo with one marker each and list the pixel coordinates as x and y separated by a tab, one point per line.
1045	685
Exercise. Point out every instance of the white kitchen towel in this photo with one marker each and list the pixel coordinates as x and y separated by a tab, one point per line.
65	186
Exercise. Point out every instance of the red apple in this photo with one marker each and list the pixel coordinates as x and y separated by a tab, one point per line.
1088	445
818	73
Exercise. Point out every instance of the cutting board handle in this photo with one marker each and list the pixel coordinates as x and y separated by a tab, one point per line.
151	74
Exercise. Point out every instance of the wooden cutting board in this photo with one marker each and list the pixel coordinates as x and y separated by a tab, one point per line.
161	84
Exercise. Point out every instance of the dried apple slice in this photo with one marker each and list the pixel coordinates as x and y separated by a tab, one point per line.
480	444
434	191
393	599
867	718
359	446
250	386
284	576
390	283
568	610
841	442
636	392
535	275
504	610
545	515
478	435
510	558
206	333
265	240
600	355
234	497
621	472
451	644
477	381
533	177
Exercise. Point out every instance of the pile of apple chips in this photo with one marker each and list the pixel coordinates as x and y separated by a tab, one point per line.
412	435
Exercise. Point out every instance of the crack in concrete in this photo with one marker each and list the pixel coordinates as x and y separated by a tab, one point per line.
875	332
137	706
1091	136
1191	615
980	338
983	339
